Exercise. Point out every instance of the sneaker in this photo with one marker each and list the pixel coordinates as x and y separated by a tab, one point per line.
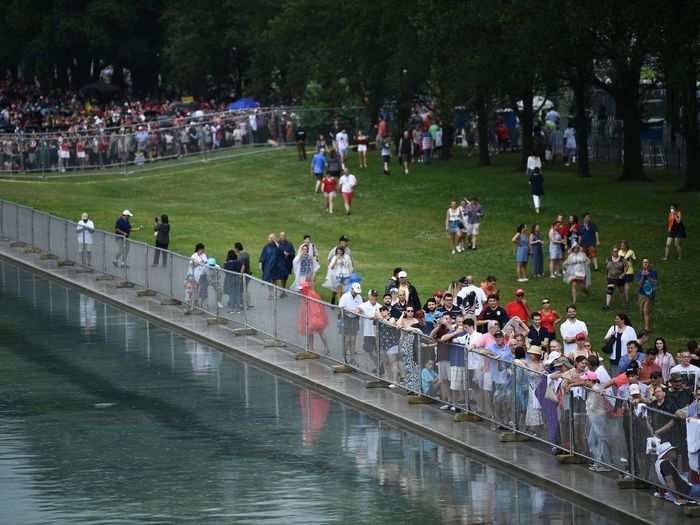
392	385
221	306
444	407
603	468
453	252
453	409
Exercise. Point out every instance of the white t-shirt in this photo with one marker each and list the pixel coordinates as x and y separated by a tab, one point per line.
570	138
475	361
347	183
480	297
369	312
628	334
350	303
687	371
534	162
341	139
568	329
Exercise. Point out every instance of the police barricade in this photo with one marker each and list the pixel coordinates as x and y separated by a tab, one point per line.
41	227
25	217
157	262
181	283
290	318
137	263
260	303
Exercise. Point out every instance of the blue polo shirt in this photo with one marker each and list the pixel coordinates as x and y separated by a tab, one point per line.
498	369
123	225
319	163
587	234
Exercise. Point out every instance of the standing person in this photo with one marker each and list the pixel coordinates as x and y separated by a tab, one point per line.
630	257
312	317
300	137
232	282
570	145
536	251
318	167
405	286
537	188
196	276
271	262
664	358
550	317
405	150
618	335
533	162
521	240
350	303
305	267
570	328
675	231
453	226
577	271
335	164
287	249
427	146
347	182
329	185
518	308
246	270
646	277
386	155
161	231
556	250
572	231
370	314
339	271
362	142
615	270
85	228
474	214
123	229
589	239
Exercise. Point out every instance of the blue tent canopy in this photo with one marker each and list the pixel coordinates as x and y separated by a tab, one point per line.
242	103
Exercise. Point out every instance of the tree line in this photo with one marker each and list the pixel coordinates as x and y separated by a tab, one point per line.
475	53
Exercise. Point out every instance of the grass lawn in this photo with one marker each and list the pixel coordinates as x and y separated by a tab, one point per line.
399	221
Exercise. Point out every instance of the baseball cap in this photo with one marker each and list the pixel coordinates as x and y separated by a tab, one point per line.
553	356
676	376
634	390
591	376
84	216
437	293
402	274
127	212
498	334
519	292
373	293
356	287
211	261
344	238
581	336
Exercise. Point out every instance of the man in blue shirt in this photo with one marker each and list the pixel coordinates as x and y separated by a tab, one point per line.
318	168
589	239
501	373
122	230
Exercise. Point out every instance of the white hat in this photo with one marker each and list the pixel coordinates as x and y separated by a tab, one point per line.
634	390
663	448
84	216
553	356
127	212
356	287
402	274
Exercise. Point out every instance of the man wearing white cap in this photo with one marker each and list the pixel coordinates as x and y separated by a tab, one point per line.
85	228
122	230
410	291
350	303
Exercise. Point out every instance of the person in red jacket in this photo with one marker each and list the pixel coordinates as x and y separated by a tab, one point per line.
518	308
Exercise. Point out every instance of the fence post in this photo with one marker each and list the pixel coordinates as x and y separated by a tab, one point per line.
244	298
2	218
572	446
274	310
65	240
514	410
104	253
170	276
342	335
17	223
307	300
631	455
125	266
467	395
148	269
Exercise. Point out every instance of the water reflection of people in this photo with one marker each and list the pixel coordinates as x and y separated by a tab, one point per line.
314	411
88	314
312	317
203	358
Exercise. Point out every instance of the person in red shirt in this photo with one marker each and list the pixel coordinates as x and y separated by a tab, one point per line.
518	308
550	317
328	184
649	366
489	286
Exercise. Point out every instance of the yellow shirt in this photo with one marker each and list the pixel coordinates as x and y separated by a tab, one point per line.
630	257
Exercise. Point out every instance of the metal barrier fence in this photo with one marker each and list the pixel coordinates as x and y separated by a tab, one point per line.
619	432
135	146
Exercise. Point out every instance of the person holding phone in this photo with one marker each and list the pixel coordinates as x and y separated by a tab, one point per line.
161	232
85	228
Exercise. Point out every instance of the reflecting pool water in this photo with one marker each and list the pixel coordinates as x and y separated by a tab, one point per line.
106	418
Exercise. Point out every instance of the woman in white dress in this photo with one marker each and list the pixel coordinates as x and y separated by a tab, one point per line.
304	267
577	271
339	272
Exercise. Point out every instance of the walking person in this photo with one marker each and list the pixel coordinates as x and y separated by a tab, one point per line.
406	150
675	231
195	277
272	263
318	167
362	142
629	256
646	277
305	267
537	251
386	155
335	164
522	248
347	182
85	228
161	231
329	185
615	270
339	270
556	250
246	270
589	239
537	188
474	213
453	226
300	136
577	271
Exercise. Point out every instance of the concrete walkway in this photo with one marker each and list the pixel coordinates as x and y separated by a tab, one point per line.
531	461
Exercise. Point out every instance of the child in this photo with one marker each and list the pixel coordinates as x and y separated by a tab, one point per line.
386	155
